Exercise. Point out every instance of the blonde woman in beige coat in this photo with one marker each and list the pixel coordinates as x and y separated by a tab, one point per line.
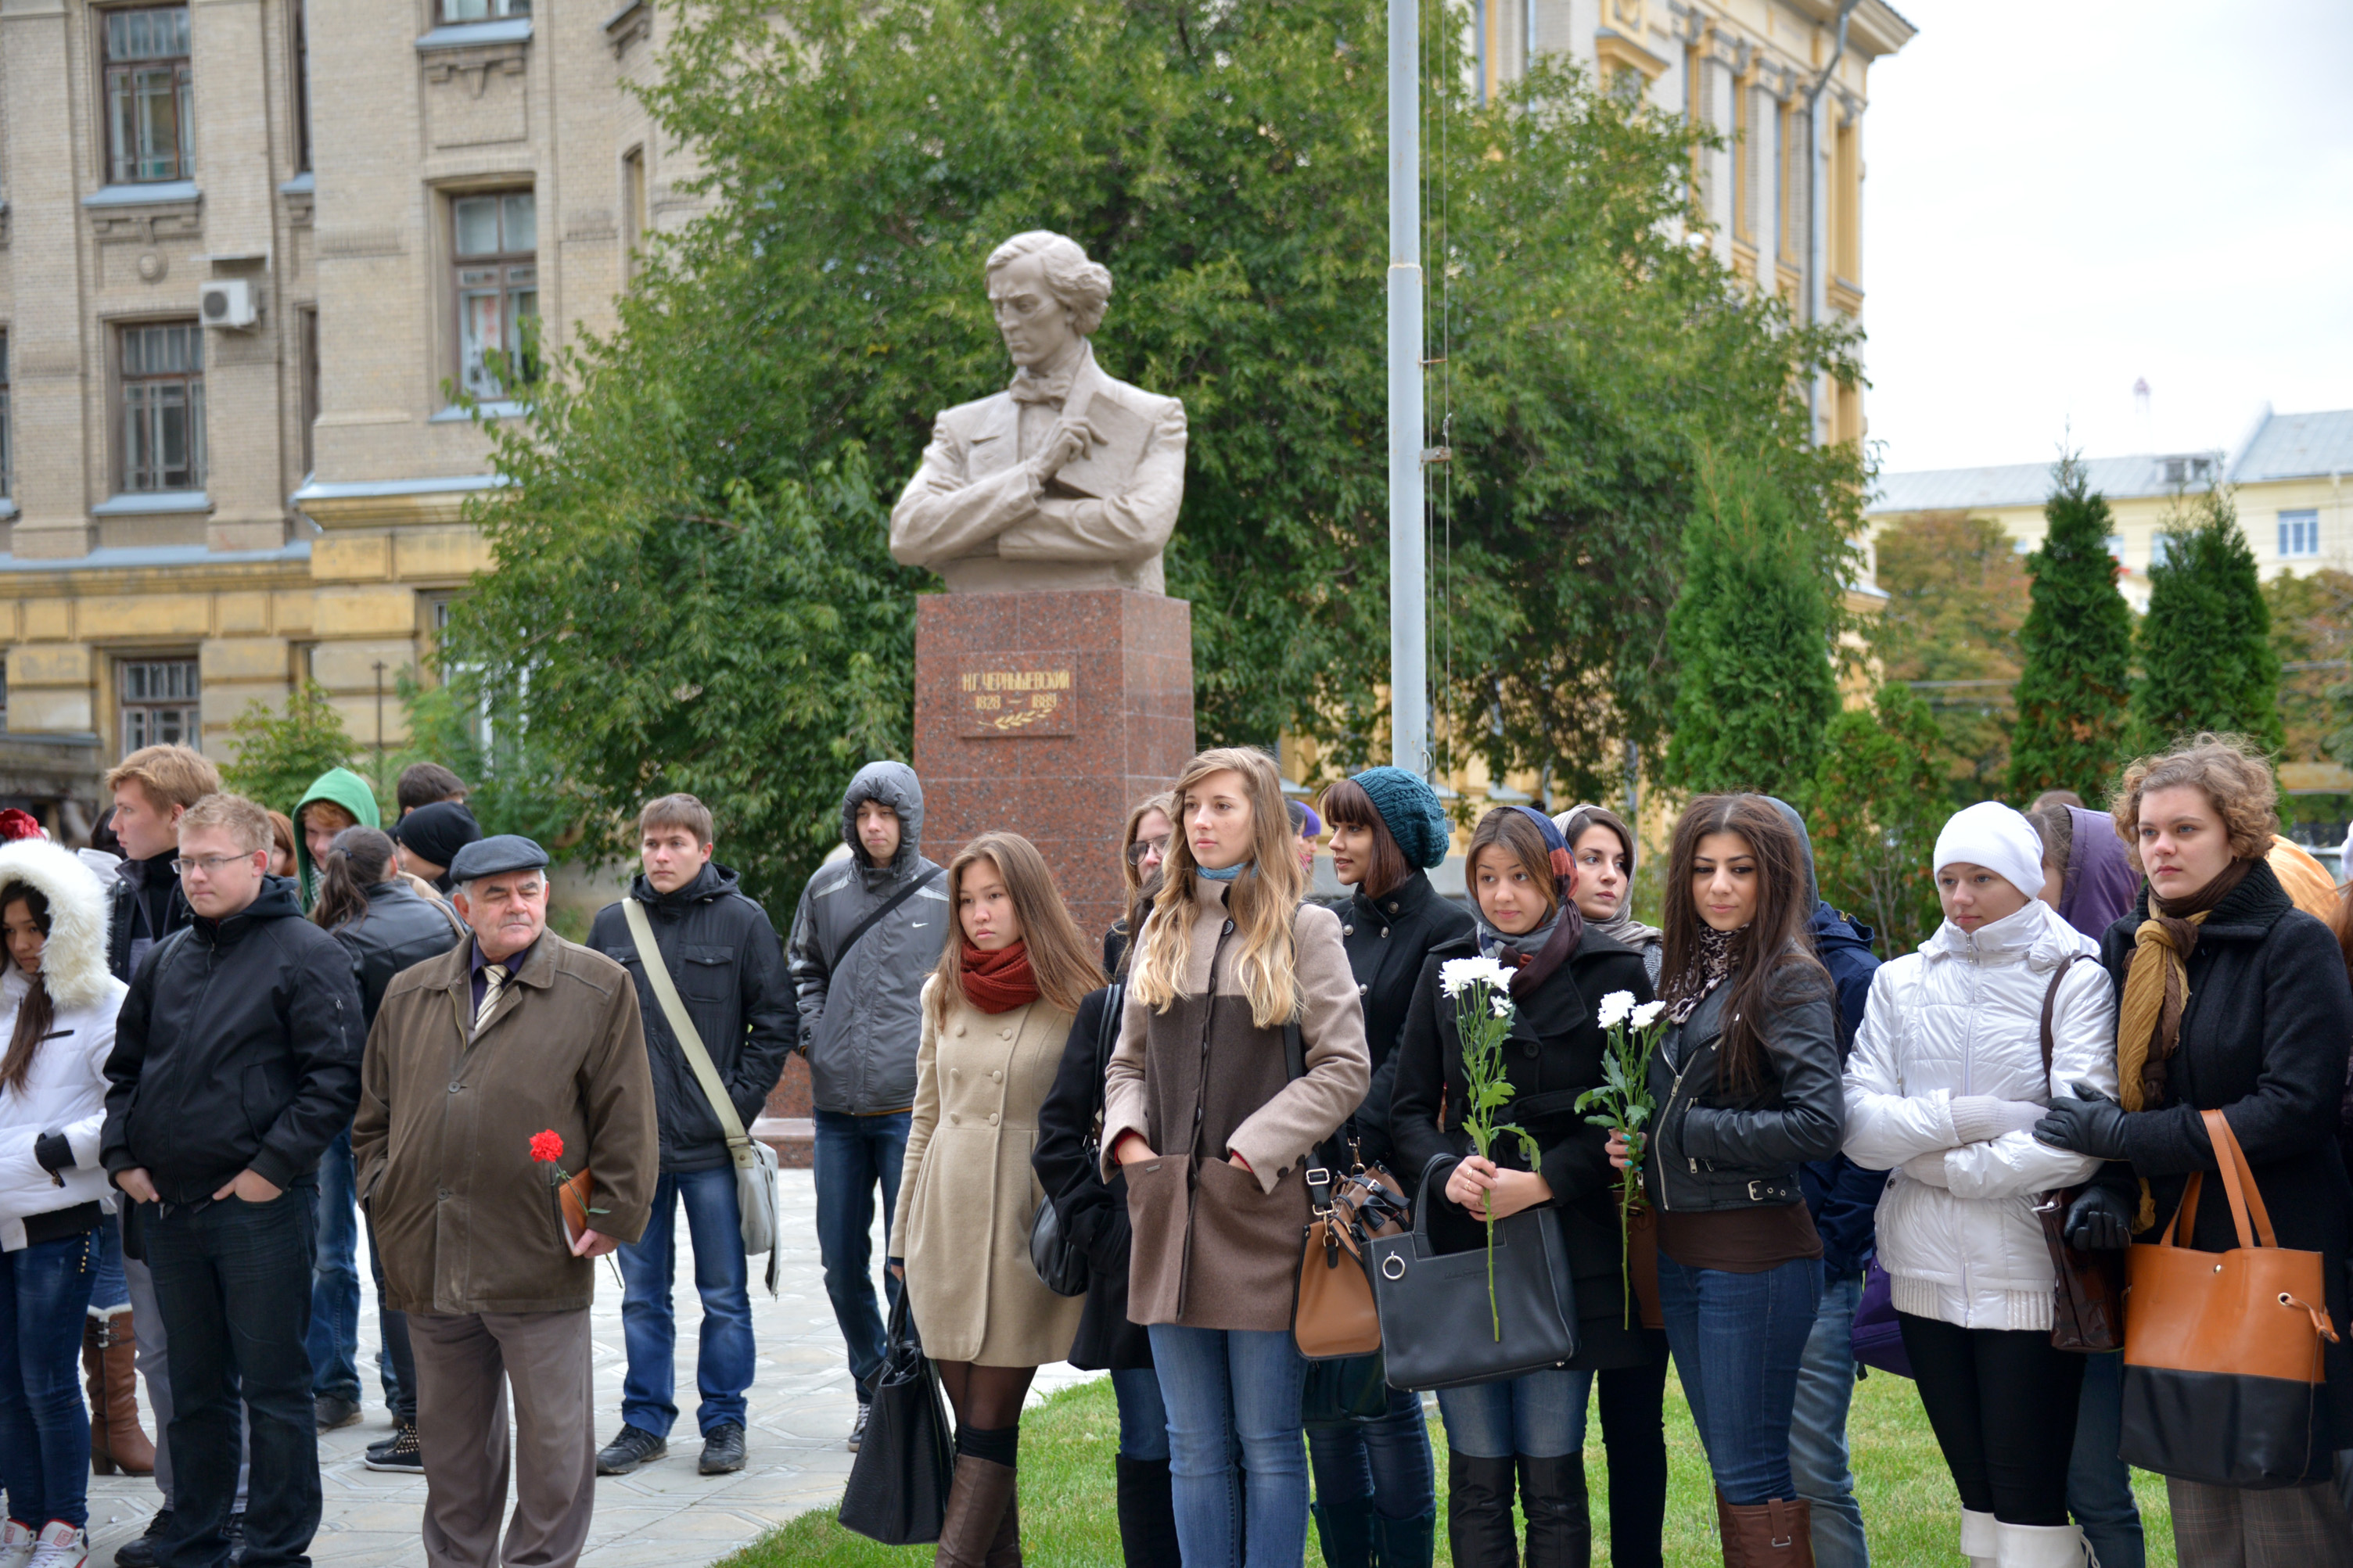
997	1013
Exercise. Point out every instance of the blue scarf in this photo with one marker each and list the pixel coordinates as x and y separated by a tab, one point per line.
1227	874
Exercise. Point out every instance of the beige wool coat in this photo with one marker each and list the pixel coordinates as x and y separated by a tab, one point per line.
967	1194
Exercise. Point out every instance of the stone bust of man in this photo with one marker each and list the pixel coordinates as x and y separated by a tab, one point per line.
1065	480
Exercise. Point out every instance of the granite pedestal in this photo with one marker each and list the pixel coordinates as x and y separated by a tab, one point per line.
1049	714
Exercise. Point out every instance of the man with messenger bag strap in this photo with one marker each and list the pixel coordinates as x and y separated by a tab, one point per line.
719	1018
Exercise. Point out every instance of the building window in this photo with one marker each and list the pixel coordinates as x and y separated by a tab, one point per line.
482	10
2160	548
302	87
306	330
2188	470
2299	533
159	703
497	241
164	407
150	96
633	211
2115	544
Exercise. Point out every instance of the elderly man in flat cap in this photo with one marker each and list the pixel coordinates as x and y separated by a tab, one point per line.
513	1062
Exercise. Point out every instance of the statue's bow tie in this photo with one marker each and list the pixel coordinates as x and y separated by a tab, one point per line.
1028	388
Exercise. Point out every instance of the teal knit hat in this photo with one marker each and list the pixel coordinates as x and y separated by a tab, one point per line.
1410	811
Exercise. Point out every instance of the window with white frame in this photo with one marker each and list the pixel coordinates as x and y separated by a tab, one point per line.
482	10
2299	533
163	406
496	239
151	96
159	700
2160	548
2115	544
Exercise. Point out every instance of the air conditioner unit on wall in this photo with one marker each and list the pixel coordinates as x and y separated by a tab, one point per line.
227	302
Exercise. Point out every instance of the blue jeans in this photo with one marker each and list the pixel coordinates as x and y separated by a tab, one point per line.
1818	1456
1224	1387
233	1281
1143	1415
1738	1340
2099	1484
852	1154
109	1288
1386	1462
722	1277
1539	1414
334	1339
43	1430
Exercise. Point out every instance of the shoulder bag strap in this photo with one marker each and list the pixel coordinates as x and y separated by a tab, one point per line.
874	917
641	932
2049	1004
1106	1041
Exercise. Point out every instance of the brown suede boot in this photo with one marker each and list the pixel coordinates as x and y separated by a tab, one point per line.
93	1367
133	1453
978	1498
1776	1534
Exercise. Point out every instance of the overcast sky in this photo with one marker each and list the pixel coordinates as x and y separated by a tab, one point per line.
2067	197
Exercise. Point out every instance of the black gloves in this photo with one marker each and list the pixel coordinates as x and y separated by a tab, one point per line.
2091	1123
2100	1219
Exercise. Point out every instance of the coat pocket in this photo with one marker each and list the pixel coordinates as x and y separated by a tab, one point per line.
1158	1209
1246	1244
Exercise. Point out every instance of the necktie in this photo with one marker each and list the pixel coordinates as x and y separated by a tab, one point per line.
494	976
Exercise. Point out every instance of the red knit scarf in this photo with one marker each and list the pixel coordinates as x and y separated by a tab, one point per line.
1001	981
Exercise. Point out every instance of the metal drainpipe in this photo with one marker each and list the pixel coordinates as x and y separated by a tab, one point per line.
1817	231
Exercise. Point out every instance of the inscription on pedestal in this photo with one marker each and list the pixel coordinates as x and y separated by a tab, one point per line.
1005	695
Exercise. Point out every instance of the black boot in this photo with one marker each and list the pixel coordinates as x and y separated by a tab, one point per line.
1147	1514
1479	1512
1346	1529
1560	1518
1405	1543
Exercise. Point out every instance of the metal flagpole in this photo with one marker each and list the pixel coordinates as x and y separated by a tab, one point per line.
1408	683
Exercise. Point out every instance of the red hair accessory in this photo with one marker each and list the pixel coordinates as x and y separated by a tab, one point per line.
15	825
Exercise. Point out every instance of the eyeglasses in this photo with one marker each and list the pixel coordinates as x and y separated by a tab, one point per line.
1143	847
211	864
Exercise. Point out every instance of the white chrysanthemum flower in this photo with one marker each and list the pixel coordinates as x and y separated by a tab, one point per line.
1614	1008
1648	1014
1457	975
1502	1001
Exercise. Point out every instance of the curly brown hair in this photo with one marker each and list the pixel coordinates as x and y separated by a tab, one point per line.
2231	772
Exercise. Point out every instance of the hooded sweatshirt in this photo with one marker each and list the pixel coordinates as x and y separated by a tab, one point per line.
860	1003
338	786
2100	882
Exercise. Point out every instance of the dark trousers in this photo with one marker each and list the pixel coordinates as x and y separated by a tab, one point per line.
396	1364
1632	1403
2002	1403
233	1281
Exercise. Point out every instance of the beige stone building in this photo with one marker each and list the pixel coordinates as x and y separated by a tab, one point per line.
249	252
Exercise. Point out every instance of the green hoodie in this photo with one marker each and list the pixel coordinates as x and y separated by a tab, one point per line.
340	787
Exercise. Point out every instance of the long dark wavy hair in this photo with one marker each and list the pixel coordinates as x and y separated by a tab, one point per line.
36	1012
1772	941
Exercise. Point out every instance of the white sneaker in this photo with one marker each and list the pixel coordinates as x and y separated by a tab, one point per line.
16	1544
61	1545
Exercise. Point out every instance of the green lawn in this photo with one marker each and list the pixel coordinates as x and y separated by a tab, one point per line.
1069	1520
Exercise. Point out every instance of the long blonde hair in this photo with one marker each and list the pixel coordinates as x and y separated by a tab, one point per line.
1261	902
1065	971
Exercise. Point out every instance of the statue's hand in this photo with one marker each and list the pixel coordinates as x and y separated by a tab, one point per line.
1067	444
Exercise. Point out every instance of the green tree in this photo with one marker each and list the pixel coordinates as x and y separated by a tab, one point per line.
279	753
2312	632
512	785
2076	649
2206	655
1751	638
1957	592
1876	807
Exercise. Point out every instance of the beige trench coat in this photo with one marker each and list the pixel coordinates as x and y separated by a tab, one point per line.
966	1193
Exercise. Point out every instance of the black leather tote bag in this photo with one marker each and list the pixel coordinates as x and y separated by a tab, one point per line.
1437	1328
898	1491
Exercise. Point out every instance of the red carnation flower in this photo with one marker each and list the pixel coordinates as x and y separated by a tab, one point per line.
547	1146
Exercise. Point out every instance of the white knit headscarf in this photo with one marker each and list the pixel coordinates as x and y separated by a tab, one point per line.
1992	835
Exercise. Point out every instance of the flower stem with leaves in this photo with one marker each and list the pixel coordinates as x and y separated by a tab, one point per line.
1625	1105
1480	988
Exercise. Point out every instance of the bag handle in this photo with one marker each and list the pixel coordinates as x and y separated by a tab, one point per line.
689	1042
2050	1005
2239	1181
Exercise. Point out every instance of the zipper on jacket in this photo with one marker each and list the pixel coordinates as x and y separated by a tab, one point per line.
1672	1089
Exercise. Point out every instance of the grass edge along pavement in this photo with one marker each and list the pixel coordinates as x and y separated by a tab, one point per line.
1069	1519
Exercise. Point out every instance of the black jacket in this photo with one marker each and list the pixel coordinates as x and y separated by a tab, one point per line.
1843	1196
729	968
2264	1039
126	913
239	1045
1712	1150
1387	939
1093	1212
1553	1055
399	929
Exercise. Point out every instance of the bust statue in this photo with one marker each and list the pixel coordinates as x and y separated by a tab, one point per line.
1065	480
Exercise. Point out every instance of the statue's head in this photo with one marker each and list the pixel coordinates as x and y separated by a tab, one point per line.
1046	294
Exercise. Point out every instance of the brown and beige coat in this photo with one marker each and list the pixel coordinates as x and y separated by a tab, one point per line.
1216	1248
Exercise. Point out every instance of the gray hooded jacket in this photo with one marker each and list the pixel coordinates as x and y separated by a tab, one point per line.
860	1013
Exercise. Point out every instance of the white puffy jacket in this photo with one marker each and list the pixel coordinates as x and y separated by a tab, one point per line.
1963	1015
65	1089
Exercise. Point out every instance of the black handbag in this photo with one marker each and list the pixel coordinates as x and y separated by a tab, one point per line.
898	1491
1437	1328
1060	1262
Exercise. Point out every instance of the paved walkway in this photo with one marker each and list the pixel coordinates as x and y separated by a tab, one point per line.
802	1404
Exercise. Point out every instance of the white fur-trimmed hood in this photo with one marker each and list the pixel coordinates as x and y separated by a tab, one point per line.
73	964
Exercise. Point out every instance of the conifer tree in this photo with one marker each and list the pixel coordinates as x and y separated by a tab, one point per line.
2206	656
1875	808
1750	635
2077	649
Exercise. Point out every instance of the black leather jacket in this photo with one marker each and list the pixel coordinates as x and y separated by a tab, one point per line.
1717	1150
398	930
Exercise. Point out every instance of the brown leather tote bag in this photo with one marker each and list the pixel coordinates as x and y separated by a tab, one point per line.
2223	1377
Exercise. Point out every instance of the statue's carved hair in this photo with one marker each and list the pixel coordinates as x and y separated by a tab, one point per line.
1082	286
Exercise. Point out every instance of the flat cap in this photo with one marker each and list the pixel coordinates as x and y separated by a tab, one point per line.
496	855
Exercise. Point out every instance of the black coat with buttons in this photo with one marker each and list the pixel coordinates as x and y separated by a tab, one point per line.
1388	940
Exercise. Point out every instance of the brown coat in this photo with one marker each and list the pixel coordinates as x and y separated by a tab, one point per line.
967	1194
464	1217
1216	1247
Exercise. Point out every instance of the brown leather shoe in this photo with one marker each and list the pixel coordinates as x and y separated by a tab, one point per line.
1775	1534
980	1496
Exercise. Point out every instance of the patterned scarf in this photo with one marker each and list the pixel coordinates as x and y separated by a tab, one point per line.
1001	981
1712	967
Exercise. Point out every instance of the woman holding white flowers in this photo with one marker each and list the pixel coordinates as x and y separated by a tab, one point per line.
1746	1085
1963	1046
1202	1117
1565	979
